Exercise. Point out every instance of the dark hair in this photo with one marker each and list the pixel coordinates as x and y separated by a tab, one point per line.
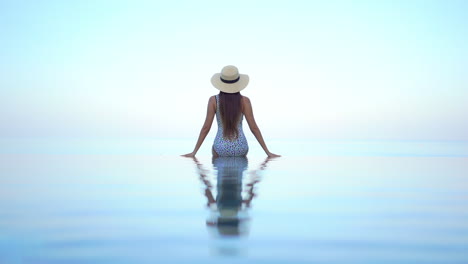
230	107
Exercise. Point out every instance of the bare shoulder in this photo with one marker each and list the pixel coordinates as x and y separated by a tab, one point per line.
245	100
246	105
212	102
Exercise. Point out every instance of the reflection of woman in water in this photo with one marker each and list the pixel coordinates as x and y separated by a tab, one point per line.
230	107
229	208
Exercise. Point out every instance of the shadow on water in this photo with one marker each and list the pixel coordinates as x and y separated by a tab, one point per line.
229	208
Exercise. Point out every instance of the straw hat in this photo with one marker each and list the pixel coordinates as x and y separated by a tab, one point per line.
229	80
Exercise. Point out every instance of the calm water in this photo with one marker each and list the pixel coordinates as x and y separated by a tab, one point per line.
136	201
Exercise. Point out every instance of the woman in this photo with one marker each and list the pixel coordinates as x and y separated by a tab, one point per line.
230	107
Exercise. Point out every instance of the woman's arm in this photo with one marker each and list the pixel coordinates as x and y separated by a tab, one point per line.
210	113
248	112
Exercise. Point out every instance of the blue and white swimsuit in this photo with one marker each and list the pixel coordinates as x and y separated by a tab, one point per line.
225	147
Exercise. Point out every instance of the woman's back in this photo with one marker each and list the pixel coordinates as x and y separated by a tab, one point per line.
225	146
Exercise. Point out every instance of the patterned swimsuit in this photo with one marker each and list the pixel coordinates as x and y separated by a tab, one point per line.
225	147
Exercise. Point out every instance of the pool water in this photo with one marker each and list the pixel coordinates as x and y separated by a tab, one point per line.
137	201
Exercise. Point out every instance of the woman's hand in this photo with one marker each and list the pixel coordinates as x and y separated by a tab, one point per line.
189	155
273	155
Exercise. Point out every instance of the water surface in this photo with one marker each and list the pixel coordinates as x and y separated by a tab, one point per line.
136	202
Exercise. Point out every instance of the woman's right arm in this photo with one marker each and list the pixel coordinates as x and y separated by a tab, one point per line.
248	112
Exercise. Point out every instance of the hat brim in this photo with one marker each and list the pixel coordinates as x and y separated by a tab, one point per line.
230	87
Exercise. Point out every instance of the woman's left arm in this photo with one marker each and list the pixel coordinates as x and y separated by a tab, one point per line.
210	113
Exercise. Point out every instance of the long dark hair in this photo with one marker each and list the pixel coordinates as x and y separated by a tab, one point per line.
230	107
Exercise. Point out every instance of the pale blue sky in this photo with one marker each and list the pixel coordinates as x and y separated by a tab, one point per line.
318	69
